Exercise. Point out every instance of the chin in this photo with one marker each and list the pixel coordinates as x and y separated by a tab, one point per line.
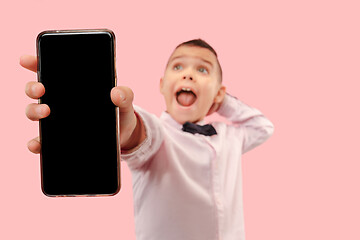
184	114
182	118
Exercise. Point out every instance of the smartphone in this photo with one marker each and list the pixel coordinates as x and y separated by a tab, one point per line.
80	145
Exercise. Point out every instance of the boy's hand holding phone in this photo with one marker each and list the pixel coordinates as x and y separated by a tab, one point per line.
80	128
121	97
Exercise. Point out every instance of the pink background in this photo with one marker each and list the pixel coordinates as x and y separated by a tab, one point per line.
296	61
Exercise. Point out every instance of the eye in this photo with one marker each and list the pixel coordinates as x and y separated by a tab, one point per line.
203	70
177	67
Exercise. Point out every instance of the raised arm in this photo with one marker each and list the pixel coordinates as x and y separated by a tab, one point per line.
256	126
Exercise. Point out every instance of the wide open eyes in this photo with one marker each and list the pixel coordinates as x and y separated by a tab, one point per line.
203	70
177	67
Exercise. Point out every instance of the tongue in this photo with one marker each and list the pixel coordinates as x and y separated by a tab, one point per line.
186	98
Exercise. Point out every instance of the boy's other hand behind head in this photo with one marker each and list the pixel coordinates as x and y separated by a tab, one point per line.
214	108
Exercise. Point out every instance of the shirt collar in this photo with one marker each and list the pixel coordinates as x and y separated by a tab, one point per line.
165	116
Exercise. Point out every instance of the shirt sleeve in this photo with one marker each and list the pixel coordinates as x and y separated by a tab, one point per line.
257	128
151	144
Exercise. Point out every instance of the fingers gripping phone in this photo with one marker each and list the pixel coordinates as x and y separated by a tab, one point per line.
79	139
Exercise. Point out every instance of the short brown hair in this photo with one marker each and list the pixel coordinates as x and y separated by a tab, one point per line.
201	43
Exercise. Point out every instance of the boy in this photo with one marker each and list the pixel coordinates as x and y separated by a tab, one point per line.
186	179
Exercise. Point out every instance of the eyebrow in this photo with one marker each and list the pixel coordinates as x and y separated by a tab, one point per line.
204	60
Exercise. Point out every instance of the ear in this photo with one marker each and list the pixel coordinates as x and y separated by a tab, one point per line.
161	85
220	94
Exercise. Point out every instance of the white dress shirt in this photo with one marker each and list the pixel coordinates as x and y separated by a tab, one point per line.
189	186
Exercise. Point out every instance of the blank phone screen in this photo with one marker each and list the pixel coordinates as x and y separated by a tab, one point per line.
79	153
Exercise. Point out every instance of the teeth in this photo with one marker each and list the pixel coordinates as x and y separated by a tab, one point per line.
186	89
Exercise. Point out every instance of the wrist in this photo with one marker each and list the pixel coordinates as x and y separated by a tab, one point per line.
136	136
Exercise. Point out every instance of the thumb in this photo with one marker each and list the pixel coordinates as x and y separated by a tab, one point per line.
122	97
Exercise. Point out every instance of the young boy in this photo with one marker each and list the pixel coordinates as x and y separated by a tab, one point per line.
187	181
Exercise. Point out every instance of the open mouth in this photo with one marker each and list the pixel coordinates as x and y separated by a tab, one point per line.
185	97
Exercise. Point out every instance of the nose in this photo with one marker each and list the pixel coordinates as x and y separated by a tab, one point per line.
187	77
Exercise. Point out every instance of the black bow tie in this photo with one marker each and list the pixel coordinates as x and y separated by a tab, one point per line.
206	130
